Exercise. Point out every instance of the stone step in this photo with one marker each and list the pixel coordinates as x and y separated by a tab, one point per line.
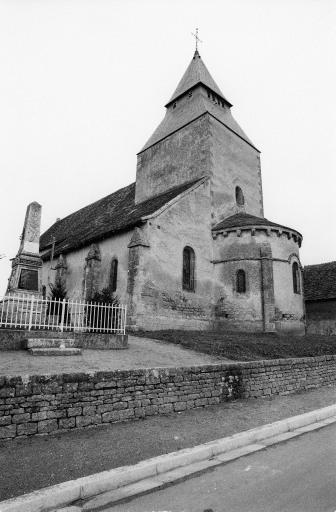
55	351
45	333
49	343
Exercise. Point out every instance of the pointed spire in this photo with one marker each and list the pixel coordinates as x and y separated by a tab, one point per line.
196	73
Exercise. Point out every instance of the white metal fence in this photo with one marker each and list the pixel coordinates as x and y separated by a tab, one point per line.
28	312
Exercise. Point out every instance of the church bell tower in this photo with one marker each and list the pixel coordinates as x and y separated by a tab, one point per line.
199	137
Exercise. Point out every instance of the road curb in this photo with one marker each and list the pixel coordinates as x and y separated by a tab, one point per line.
67	493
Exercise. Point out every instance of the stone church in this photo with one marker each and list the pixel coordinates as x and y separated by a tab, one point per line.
187	245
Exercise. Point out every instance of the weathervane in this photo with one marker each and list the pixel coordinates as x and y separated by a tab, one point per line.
197	39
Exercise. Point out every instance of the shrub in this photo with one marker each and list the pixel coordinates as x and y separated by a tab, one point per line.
103	318
58	293
106	297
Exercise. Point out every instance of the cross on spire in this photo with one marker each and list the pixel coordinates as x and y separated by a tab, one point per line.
197	39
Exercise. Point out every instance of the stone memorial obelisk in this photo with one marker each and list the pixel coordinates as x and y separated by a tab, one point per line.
26	266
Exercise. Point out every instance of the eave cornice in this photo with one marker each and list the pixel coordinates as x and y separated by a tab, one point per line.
253	229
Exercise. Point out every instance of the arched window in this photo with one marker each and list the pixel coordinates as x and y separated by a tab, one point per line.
296	277
239	197
188	270
241	281
114	274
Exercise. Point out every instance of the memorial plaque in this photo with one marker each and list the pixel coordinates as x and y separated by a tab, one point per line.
27	265
28	280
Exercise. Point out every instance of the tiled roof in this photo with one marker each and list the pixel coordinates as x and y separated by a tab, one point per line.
320	281
196	73
176	119
111	214
244	219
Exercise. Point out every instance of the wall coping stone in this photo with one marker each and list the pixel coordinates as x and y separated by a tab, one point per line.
99	376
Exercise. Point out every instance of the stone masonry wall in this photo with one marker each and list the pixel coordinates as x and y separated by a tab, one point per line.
48	404
159	297
183	156
234	163
321	317
110	248
12	339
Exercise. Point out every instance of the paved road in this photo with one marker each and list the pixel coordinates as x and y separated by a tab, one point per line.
296	476
49	460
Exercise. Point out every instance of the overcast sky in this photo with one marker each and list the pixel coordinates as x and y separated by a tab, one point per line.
83	85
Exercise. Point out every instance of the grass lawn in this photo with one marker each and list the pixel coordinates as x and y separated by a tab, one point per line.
247	346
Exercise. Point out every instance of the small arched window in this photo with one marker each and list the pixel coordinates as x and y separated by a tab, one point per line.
114	275
239	197
241	281
188	270
296	278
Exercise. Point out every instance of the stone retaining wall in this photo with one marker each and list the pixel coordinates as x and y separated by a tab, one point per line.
15	339
321	317
12	339
324	327
47	404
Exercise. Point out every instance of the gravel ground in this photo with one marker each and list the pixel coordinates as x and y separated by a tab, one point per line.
142	353
36	462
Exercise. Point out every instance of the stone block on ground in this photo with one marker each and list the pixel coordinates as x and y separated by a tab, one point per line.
55	351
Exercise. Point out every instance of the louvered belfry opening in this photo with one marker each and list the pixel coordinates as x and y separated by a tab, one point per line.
241	281
188	275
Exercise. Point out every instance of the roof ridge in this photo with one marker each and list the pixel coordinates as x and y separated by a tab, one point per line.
244	214
185	189
176	187
321	264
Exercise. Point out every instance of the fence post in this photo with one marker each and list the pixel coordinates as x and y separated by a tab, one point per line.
31	313
62	315
125	317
